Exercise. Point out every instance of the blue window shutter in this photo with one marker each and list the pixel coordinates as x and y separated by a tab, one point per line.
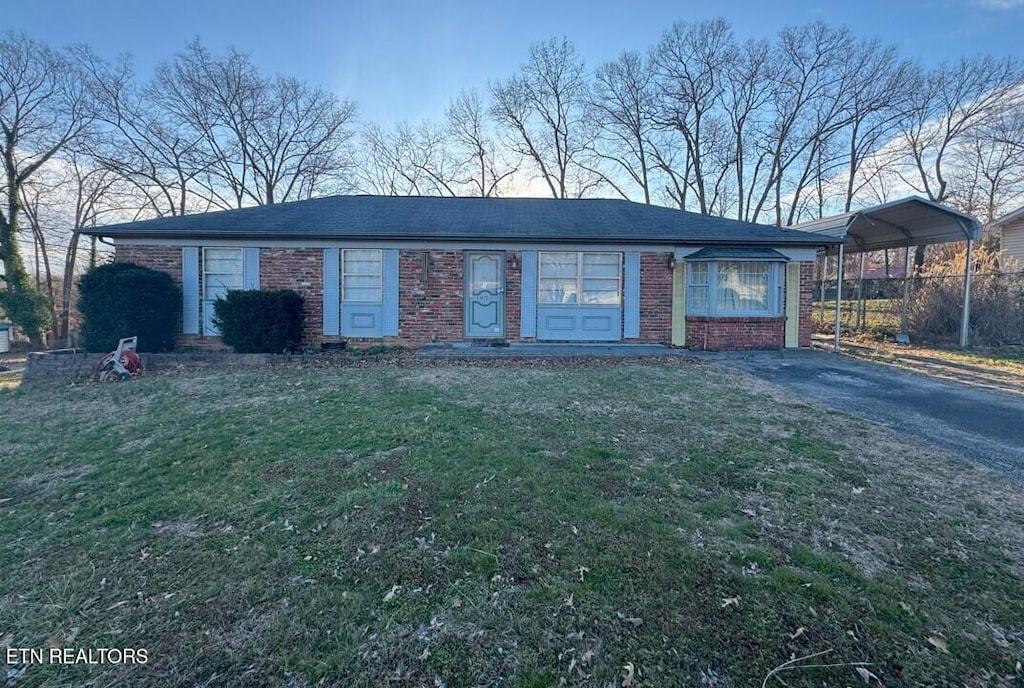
391	293
631	297
528	288
251	268
190	290
332	310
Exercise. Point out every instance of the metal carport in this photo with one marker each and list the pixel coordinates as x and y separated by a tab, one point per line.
906	223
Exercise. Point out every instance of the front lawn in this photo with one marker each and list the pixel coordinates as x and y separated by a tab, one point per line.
652	524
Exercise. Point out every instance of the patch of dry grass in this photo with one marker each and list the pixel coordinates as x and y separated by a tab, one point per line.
514	525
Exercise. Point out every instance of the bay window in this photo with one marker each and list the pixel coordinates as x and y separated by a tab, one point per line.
728	288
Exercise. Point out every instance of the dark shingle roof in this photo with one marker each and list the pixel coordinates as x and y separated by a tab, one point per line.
430	218
736	254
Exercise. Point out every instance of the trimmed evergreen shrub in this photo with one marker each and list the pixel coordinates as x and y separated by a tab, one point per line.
123	300
260	322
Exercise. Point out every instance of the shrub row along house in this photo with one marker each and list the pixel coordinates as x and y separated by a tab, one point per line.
412	270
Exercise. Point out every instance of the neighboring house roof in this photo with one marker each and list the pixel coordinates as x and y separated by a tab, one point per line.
1008	219
434	218
912	221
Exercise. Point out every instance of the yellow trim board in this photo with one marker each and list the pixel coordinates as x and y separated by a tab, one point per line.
792	305
679	304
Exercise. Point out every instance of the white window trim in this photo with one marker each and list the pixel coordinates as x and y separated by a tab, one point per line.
579	280
776	285
204	302
342	274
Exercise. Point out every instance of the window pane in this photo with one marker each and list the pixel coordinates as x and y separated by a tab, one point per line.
361	275
742	286
362	262
604	291
601	265
558	264
698	299
222	260
361	282
364	295
699	273
214	292
364	254
557	290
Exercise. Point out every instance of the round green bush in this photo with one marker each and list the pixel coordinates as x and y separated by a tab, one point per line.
125	300
260	322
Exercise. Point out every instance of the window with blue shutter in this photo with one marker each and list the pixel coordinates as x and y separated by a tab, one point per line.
362	292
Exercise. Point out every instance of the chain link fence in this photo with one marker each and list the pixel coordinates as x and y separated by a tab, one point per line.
933	310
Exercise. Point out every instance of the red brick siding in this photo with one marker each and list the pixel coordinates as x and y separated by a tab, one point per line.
513	294
730	334
655	297
806	302
163	258
301	270
429	296
431	301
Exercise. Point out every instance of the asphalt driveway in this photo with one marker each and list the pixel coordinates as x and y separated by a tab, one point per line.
982	426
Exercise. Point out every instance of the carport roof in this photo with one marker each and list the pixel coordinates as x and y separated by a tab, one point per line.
911	221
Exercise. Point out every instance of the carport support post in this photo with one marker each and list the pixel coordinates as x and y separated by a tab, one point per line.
861	314
965	324
839	293
906	291
824	274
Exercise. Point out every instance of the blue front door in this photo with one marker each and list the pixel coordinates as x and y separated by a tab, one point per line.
485	295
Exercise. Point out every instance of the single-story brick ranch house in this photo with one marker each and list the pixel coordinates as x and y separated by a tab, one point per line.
412	270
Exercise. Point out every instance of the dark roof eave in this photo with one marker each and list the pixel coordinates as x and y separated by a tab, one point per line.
811	240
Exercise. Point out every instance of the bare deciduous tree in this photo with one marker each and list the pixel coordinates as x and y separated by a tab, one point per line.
484	170
947	104
543	112
143	143
43	109
265	140
690	63
623	105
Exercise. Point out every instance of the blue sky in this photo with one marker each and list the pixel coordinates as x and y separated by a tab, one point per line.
405	60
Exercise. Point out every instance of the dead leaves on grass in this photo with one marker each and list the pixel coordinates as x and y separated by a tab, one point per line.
628	675
939	643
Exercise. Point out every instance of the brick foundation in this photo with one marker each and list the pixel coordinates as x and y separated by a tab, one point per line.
734	334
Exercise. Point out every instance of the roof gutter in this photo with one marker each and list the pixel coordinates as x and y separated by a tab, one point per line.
810	240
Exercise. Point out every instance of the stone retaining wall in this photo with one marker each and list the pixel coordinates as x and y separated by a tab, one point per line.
54	365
